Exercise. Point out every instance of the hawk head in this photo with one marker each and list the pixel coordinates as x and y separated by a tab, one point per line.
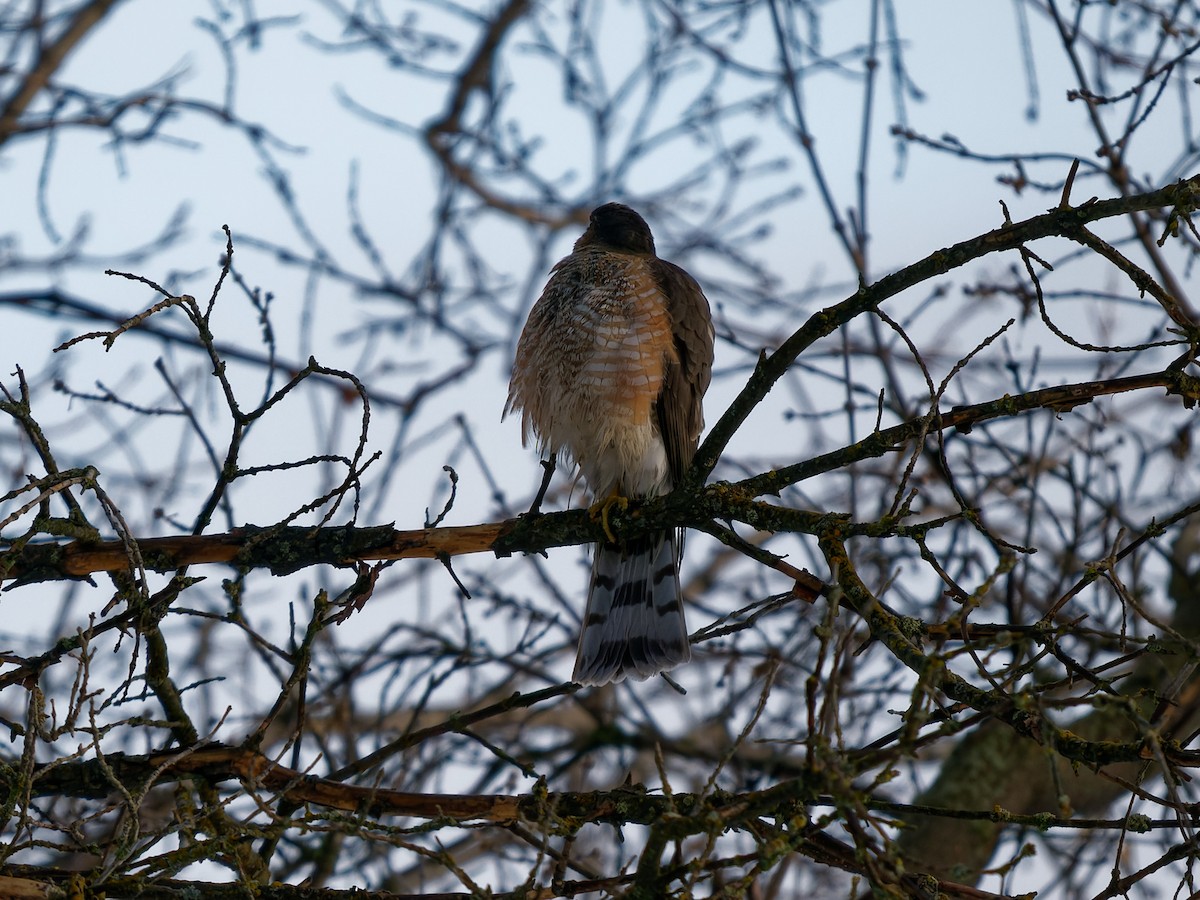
619	227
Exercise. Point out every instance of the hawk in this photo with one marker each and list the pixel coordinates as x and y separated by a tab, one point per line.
610	371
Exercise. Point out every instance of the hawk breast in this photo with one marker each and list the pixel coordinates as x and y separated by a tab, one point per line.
590	368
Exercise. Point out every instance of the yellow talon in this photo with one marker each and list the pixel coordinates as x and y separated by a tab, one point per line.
601	508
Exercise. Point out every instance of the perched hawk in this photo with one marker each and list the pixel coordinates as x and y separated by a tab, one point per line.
610	370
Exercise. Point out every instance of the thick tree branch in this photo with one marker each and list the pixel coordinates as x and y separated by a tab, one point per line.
287	549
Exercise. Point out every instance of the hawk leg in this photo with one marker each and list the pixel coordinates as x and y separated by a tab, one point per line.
548	466
601	508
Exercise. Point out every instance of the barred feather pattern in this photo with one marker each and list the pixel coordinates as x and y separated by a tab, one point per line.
634	624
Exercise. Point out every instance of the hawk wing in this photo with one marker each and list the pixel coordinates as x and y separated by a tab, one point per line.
679	409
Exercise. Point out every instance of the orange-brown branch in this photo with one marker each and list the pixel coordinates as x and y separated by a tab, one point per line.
281	550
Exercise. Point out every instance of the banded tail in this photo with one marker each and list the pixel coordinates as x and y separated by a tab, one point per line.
634	623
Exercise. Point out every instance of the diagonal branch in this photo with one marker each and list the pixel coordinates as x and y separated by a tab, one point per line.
1061	221
49	61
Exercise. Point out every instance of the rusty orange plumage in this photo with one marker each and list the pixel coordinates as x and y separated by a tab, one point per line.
610	371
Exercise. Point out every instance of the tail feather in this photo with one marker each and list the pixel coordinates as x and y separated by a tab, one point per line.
634	623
